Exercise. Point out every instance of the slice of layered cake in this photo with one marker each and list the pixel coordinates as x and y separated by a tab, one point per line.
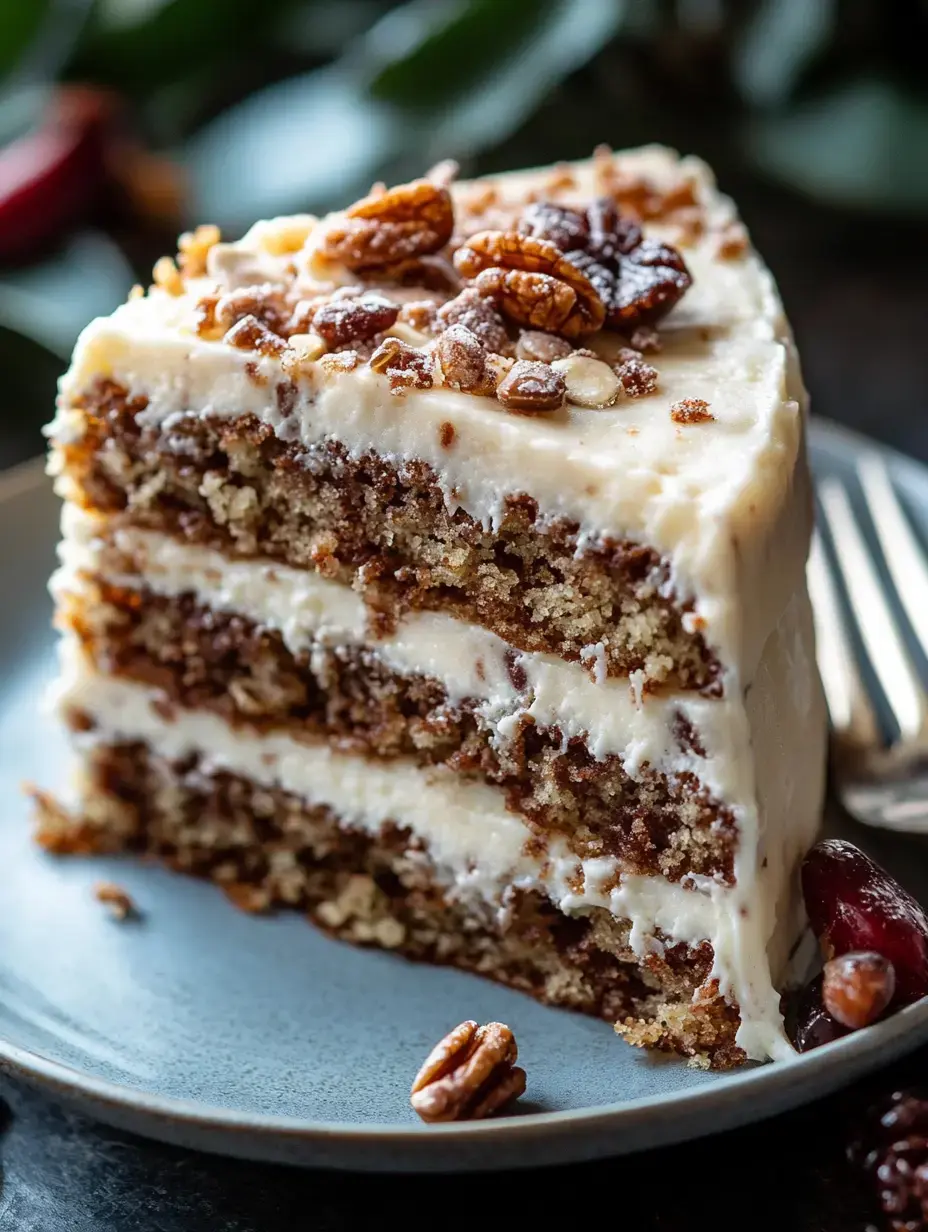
437	568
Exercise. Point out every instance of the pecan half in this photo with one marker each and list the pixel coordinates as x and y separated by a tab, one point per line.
469	1075
532	282
532	388
384	229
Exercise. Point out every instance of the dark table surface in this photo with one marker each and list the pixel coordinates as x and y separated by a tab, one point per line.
857	293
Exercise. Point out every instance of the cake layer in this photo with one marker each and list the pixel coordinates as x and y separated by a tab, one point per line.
202	659
386	531
380	885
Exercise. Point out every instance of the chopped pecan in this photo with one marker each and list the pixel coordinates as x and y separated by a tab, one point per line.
691	411
420	314
479	316
534	344
638	377
263	301
193	248
404	366
532	388
469	1075
347	318
250	334
463	361
532	282
118	900
411	220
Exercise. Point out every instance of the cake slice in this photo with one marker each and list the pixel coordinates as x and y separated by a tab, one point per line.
437	568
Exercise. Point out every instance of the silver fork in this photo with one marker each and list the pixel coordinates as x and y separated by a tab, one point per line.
880	784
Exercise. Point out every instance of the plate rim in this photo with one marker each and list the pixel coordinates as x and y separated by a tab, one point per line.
668	1113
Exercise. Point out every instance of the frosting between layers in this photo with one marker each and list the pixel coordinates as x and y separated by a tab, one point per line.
469	832
468	660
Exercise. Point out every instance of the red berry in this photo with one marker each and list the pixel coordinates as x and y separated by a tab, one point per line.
857	988
854	904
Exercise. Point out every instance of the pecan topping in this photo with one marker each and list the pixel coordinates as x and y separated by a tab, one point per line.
479	316
533	344
640	286
348	318
263	302
469	1075
566	229
251	335
691	411
385	228
531	388
638	280
532	281
404	366
463	361
638	377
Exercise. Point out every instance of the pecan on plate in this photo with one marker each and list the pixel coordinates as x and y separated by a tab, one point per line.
411	220
469	1075
532	282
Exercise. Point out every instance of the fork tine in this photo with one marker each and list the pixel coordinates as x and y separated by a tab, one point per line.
877	627
851	714
903	554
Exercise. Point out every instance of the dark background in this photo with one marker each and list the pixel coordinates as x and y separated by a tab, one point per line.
124	121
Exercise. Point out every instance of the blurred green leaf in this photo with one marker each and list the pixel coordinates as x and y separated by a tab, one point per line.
20	21
315	141
304	144
138	46
779	40
425	53
52	301
27	402
865	144
569	35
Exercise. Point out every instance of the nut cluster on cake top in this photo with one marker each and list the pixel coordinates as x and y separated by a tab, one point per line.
535	301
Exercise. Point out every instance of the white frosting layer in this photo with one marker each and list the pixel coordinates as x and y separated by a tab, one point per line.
468	660
716	498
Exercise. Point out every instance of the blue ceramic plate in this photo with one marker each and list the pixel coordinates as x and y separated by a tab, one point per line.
262	1038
